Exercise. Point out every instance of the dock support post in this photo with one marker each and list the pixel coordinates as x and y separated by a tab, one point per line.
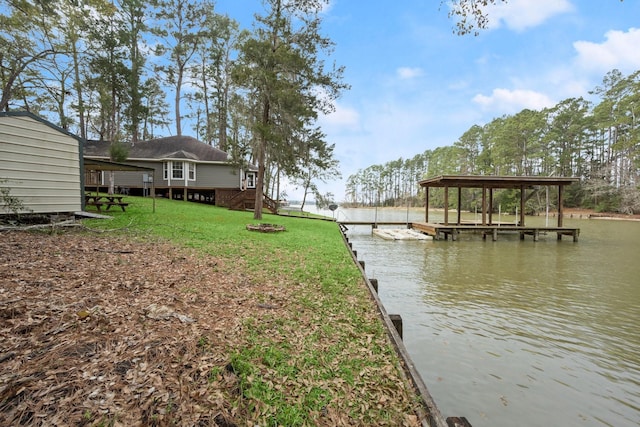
522	216
458	422
446	205
374	284
495	234
396	319
536	233
484	205
490	206
426	204
459	221
361	264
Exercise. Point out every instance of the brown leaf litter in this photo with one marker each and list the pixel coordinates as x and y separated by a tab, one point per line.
105	330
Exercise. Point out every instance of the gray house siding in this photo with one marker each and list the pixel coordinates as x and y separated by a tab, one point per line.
223	175
208	175
216	179
40	164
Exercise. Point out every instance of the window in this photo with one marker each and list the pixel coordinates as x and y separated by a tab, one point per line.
251	180
177	170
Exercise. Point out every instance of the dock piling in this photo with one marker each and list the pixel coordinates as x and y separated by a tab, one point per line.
374	283
396	319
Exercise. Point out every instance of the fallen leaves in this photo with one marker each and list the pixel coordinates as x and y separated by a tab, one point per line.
98	328
108	330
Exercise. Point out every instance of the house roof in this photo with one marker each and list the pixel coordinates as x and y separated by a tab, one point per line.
171	147
103	165
494	181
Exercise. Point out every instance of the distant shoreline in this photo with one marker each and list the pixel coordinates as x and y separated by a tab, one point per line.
572	213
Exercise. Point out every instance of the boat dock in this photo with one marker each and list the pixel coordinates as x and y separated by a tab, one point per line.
527	187
486	226
445	231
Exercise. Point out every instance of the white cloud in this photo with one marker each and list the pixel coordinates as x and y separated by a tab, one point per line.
326	7
519	15
406	73
619	50
505	101
343	118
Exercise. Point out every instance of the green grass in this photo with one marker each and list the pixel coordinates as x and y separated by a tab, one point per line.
326	353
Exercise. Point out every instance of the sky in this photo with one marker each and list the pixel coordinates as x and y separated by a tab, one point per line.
416	85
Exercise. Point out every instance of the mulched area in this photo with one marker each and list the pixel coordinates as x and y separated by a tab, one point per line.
99	328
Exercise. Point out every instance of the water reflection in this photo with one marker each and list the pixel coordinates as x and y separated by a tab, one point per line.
519	332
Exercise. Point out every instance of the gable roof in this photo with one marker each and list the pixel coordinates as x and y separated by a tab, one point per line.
39	119
494	181
171	147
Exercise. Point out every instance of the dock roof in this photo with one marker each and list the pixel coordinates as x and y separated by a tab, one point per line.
494	181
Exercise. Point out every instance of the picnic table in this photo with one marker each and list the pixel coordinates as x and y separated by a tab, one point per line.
99	200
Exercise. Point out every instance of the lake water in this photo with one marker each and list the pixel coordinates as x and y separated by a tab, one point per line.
517	332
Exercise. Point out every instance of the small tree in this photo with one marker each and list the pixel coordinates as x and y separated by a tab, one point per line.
8	202
118	152
324	200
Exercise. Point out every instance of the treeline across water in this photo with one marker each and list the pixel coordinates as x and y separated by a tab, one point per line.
598	142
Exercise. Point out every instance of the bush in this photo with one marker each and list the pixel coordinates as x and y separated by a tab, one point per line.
8	203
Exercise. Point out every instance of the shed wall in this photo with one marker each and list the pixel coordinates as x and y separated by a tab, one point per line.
41	165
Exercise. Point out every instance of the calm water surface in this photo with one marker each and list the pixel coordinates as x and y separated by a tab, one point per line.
517	332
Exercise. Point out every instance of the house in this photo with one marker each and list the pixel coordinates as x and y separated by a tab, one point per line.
183	168
40	165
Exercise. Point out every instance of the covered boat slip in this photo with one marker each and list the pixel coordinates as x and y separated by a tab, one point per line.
487	226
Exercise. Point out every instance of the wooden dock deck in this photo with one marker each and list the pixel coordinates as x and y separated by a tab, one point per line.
375	224
445	231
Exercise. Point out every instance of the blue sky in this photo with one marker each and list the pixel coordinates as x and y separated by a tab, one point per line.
415	85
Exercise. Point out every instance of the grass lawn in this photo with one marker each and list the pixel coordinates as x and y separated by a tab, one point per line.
312	349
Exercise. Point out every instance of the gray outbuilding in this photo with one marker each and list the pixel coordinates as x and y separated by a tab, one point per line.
40	164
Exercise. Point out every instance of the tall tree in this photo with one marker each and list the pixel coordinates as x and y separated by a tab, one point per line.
109	72
212	78
282	68
26	43
565	138
133	17
156	109
179	26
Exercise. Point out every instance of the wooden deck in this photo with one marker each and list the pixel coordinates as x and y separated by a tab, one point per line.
445	231
375	224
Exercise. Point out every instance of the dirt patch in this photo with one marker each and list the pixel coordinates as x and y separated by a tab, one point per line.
104	330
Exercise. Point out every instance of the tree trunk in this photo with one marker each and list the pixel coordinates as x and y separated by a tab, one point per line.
262	149
177	105
257	210
78	87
